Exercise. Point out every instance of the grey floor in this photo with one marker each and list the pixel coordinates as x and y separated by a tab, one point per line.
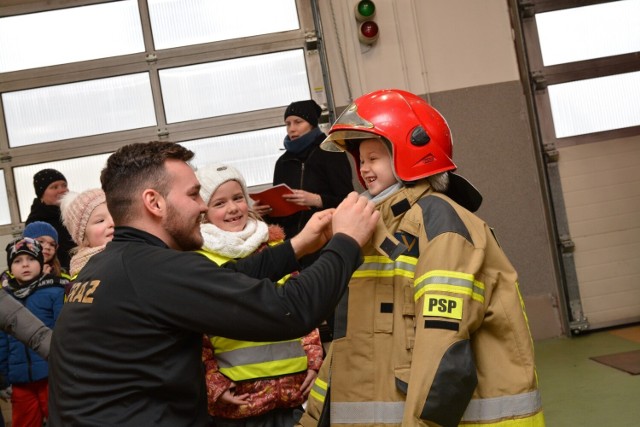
577	391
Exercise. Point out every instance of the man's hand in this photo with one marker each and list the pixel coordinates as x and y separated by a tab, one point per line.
356	217
315	234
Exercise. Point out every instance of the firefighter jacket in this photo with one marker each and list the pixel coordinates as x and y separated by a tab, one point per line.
433	330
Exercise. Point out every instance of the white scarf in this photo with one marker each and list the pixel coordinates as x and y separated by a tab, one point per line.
235	244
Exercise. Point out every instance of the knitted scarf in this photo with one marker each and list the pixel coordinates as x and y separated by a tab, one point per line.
21	291
384	193
235	244
299	145
81	257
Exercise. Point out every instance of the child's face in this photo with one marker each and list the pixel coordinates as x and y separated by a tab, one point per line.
99	229
376	168
228	209
49	247
25	268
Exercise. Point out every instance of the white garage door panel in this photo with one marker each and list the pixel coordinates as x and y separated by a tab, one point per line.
598	264
616	308
601	189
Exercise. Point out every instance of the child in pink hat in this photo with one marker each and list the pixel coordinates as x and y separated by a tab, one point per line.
89	222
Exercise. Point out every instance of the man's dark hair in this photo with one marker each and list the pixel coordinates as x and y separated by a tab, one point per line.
134	167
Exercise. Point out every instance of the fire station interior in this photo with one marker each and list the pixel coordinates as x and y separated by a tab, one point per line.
540	95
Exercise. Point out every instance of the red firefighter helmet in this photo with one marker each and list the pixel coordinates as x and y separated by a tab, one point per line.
419	136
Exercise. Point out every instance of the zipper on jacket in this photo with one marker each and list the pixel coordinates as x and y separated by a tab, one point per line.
300	217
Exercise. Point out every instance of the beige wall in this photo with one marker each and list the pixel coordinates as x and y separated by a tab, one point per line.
460	55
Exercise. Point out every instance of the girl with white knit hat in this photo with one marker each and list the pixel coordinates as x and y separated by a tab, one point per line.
265	392
89	222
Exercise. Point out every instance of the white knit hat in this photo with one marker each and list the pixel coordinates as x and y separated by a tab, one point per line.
214	175
76	209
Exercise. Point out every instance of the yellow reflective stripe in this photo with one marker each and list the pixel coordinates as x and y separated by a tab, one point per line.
381	266
536	420
265	369
449	281
218	259
366	413
319	390
241	360
499	408
283	280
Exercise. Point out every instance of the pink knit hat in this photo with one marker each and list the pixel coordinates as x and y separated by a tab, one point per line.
76	210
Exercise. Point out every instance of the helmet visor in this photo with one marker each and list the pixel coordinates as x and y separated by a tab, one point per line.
339	140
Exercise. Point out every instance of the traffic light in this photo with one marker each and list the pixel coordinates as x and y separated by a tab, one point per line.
368	30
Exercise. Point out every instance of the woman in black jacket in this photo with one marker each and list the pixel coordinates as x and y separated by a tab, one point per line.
320	179
50	186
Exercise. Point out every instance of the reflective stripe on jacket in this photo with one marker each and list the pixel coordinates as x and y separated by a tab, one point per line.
244	360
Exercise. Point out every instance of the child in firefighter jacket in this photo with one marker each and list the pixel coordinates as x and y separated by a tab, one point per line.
249	383
433	330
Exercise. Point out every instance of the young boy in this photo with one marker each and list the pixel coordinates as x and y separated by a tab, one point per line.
433	331
43	295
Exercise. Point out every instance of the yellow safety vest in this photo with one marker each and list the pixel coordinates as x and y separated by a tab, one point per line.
247	360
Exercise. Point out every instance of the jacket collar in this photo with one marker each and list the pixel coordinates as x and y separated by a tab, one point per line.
130	234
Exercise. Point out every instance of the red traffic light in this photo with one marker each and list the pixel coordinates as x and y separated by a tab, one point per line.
368	33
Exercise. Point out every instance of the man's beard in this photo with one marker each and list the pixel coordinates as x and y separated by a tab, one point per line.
185	234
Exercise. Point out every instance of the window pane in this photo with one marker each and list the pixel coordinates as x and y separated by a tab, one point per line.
5	215
589	32
234	86
595	105
82	173
186	22
253	153
69	35
78	109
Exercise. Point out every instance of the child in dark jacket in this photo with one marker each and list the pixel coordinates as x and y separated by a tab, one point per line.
43	295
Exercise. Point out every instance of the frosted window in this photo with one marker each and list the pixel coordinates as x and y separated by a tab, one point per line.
82	173
69	35
595	105
5	215
78	109
253	153
187	22
234	86
589	32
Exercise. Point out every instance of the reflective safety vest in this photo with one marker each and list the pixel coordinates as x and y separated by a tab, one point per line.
247	360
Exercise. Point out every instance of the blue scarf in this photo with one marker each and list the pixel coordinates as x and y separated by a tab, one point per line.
300	144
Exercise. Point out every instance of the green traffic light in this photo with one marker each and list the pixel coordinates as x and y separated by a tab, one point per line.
366	8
